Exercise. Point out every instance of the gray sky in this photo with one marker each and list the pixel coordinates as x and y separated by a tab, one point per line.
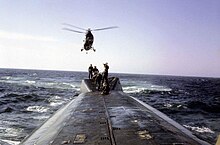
167	37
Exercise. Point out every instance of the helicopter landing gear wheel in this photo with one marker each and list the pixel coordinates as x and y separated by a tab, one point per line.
81	49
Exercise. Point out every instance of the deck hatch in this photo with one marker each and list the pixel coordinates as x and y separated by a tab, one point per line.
80	138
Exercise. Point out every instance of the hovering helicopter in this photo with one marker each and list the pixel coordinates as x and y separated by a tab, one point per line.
89	36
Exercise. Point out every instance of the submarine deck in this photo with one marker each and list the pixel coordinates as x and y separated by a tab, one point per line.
114	119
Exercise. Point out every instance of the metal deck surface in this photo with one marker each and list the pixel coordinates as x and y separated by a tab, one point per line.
114	119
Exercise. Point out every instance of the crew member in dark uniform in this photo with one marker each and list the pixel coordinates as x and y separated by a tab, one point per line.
95	70
105	89
105	73
99	80
90	71
105	82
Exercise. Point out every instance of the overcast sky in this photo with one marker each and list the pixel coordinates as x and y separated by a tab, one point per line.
165	37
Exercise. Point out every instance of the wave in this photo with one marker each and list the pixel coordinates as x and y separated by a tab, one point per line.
6	110
56	101
18	98
206	106
39	83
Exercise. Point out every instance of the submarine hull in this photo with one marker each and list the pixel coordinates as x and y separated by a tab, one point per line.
116	118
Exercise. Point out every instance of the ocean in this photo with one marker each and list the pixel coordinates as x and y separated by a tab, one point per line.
29	97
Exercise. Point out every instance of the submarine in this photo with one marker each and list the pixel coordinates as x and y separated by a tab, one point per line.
114	119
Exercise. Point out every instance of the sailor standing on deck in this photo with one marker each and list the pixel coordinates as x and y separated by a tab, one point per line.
90	71
105	83
95	70
105	73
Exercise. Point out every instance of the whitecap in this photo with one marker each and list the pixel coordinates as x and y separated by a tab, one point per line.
168	105
6	122
12	132
13	80
138	89
50	84
11	142
77	89
133	89
39	109
30	82
159	88
56	103
6	77
34	74
56	85
73	86
68	86
55	97
41	117
199	129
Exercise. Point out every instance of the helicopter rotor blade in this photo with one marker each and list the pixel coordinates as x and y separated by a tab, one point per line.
72	30
105	28
74	26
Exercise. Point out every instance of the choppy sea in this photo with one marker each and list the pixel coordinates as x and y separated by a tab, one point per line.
29	97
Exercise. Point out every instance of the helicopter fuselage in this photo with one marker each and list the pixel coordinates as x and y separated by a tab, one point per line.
88	41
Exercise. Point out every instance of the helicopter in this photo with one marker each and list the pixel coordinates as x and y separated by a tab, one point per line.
89	39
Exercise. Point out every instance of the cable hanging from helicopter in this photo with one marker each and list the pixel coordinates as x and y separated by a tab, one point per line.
89	39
